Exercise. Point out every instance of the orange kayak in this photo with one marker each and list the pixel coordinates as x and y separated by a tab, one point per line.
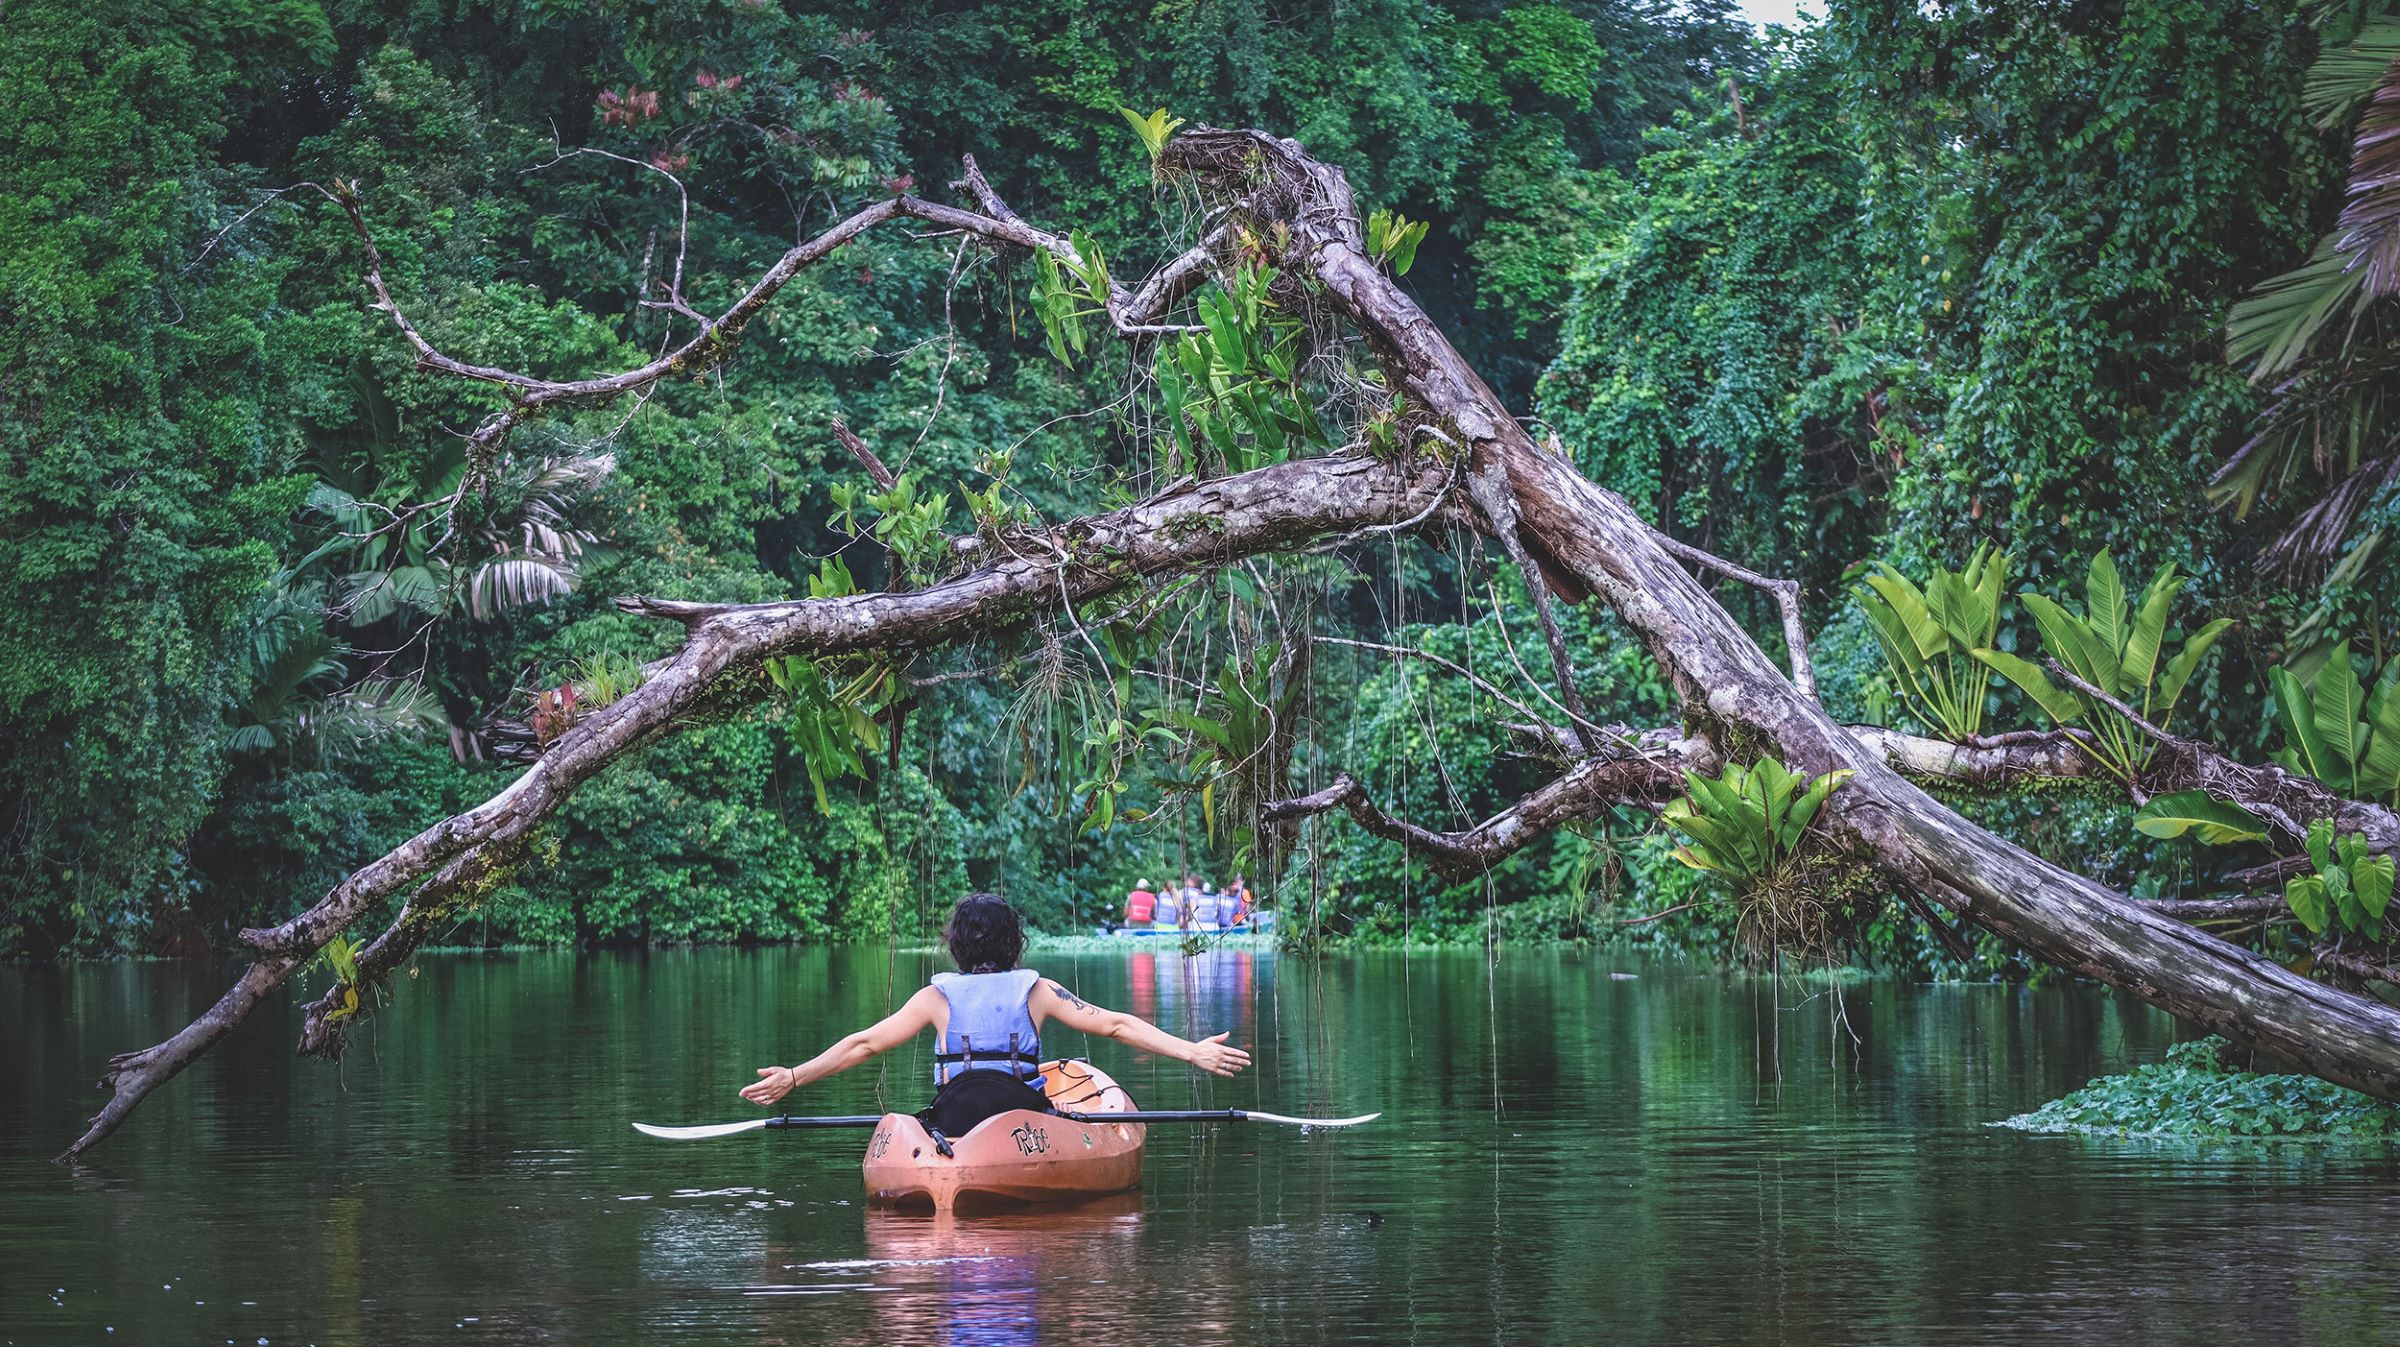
1015	1157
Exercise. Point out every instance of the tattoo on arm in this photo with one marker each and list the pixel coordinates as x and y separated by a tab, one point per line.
1072	998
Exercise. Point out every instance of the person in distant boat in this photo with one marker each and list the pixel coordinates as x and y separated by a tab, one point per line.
1170	908
987	1023
1236	908
1193	893
1141	905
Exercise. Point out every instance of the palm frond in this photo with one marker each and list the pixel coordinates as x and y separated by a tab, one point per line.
2276	324
368	597
2346	75
378	708
250	740
2329	419
2320	535
506	583
2368	233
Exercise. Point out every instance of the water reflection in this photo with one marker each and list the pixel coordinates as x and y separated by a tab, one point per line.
1003	1281
1214	991
1567	1156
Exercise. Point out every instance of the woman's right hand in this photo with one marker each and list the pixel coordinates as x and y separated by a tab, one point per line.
1213	1055
773	1083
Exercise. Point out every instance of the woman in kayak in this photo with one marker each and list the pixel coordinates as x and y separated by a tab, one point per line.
987	1023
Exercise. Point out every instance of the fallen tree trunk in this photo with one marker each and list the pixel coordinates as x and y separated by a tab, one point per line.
1737	699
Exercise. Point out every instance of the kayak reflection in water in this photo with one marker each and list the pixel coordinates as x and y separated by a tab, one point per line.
987	1022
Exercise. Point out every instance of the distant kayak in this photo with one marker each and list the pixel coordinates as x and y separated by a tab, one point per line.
1016	1157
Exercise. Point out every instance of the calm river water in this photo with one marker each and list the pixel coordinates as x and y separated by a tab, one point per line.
1567	1155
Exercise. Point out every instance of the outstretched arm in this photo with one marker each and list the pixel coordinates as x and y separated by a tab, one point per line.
1052	1001
774	1082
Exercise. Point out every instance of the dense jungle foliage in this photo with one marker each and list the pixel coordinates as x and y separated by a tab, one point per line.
1913	281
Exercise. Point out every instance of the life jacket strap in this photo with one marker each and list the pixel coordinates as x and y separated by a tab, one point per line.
1016	1056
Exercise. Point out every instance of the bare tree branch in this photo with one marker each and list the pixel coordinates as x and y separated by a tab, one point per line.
716	338
1940	762
866	457
2215	909
2357	968
1787	602
1588	789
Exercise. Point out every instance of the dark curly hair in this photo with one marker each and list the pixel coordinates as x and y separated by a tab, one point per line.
984	933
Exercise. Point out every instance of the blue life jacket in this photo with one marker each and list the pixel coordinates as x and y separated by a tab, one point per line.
991	1028
1170	908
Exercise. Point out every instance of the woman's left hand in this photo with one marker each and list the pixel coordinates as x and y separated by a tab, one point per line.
1213	1055
773	1083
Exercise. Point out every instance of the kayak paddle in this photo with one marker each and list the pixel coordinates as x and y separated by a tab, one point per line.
712	1130
709	1130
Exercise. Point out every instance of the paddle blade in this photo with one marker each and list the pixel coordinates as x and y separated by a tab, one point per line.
1255	1116
701	1133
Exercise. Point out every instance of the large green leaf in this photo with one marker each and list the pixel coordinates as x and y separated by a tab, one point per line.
2072	642
2379	767
2293	707
1214	731
2187	661
1967	603
1776	787
2056	702
2305	895
342	952
2210	821
2371	879
1901	650
2338	702
1804	812
2104	605
1714	844
2149	630
2342	897
1925	638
